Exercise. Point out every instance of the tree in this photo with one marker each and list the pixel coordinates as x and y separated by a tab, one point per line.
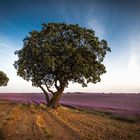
3	79
60	53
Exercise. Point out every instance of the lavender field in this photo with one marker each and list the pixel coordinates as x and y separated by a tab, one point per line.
126	104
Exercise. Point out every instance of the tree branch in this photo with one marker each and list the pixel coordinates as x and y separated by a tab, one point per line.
49	89
46	94
55	84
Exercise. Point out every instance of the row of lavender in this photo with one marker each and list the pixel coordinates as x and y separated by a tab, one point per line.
122	103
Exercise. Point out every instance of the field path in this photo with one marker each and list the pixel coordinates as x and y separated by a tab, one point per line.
31	124
37	122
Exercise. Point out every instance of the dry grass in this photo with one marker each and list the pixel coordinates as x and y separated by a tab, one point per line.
31	122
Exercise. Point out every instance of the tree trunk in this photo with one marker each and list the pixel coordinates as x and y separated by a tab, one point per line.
54	102
47	98
45	93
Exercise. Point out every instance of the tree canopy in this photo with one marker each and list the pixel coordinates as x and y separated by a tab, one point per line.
3	79
60	53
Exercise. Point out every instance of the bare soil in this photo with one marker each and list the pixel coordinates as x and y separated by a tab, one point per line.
31	122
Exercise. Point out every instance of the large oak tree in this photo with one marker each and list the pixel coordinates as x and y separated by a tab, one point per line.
60	53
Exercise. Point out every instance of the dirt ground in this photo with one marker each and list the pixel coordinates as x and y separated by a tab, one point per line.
32	122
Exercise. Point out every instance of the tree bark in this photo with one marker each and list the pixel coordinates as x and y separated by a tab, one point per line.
46	94
54	102
47	97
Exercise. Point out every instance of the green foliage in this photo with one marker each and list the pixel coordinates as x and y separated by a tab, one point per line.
3	79
61	53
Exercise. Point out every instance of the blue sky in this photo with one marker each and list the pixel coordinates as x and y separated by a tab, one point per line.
117	21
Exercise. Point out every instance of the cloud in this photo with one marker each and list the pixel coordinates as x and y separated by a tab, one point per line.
122	66
134	61
123	70
7	58
97	26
